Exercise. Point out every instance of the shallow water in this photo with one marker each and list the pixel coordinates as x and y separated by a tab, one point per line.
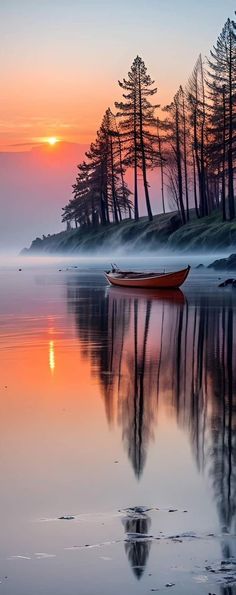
118	448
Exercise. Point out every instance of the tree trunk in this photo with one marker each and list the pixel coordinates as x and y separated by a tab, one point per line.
223	160
103	205
230	149
121	175
136	212
185	161
162	173
200	211
113	184
195	185
203	170
144	168
179	169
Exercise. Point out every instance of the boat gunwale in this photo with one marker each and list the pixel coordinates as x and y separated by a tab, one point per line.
151	275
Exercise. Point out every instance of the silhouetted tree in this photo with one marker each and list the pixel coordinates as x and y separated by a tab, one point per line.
161	159
185	143
172	126
194	145
222	79
196	95
100	190
137	119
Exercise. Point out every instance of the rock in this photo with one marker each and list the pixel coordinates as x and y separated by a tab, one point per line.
228	282
19	270
228	264
170	585
137	510
200	266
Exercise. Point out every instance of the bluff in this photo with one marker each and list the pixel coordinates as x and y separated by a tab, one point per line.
165	231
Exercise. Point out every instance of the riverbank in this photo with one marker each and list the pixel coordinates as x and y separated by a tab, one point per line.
165	231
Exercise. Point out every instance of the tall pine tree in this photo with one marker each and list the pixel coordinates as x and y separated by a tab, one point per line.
137	119
222	73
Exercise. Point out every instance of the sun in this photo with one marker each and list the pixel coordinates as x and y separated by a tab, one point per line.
52	140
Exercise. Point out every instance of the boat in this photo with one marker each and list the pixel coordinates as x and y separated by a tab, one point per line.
146	280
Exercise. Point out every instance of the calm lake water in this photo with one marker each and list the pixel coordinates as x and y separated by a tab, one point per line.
118	443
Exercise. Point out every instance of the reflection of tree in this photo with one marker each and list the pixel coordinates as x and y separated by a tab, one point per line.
96	326
205	396
228	590
138	542
114	334
142	347
135	406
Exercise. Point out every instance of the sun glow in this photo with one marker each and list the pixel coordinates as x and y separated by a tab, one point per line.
52	140
51	356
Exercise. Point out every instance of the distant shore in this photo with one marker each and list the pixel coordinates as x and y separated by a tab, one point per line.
165	232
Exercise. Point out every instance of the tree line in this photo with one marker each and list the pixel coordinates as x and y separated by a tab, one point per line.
191	141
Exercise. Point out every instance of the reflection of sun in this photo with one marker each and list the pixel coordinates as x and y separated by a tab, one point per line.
51	356
52	140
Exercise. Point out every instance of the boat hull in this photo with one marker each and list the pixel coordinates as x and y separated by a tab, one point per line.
160	281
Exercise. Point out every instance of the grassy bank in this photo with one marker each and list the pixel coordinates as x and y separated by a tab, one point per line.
165	231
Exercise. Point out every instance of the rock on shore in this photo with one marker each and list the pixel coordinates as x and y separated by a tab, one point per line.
224	264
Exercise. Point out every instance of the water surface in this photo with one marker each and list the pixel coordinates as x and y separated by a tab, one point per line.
117	434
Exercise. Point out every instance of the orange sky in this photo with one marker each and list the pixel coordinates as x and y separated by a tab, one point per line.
60	60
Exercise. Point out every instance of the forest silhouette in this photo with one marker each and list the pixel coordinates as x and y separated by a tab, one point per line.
190	143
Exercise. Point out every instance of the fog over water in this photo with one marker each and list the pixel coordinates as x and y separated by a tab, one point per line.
11	259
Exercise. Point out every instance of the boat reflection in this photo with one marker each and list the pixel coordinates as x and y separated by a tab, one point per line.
145	348
174	296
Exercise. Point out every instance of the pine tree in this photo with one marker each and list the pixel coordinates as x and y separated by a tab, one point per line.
185	142
196	95
222	73
100	191
137	119
217	146
161	159
173	128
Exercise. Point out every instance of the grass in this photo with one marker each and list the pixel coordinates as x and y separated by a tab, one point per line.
165	231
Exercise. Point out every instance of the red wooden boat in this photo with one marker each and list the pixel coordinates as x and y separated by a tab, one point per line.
171	280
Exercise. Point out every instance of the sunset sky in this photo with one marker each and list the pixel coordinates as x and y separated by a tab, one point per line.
61	59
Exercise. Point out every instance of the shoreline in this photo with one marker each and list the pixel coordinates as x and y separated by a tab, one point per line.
164	232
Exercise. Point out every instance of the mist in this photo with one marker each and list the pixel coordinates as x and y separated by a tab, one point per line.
35	185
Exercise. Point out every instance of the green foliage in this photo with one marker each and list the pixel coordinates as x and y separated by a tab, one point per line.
164	232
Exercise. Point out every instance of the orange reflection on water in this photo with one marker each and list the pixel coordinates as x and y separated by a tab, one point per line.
51	356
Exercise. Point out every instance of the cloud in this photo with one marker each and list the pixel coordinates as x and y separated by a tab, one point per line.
26	144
